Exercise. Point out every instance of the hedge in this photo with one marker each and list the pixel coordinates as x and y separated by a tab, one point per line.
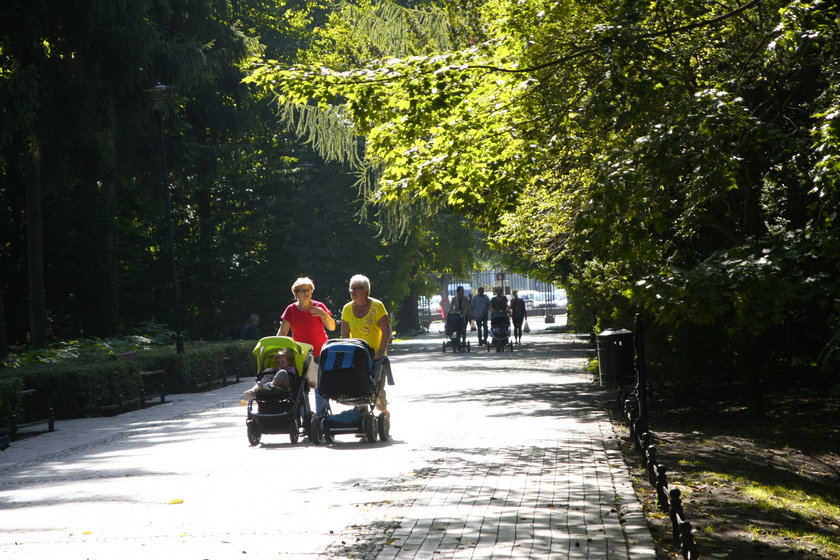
79	389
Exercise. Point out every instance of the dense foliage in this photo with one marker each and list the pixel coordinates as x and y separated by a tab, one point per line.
83	230
675	159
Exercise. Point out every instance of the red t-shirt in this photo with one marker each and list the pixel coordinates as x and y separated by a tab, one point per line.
307	327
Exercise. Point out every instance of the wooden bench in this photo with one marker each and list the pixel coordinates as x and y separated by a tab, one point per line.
15	428
153	382
207	382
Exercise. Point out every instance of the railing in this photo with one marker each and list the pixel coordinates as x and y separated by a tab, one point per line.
668	500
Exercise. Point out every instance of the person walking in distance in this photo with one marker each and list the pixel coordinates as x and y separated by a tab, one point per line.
518	313
480	308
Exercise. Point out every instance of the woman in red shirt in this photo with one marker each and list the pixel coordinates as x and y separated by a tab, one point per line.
308	320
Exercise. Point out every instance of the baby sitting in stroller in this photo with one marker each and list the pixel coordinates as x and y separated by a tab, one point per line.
275	378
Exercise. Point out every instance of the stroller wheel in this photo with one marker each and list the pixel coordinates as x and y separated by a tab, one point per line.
384	427
371	429
294	428
315	430
468	346
307	424
253	432
444	347
325	431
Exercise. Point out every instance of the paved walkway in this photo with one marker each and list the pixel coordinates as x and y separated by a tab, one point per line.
505	455
529	469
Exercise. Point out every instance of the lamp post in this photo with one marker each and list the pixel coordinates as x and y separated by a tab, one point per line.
159	96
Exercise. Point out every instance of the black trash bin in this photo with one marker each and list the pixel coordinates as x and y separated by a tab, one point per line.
615	357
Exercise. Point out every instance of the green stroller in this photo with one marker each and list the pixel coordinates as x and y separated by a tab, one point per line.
284	410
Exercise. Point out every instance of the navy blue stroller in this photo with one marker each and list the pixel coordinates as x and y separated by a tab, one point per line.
347	375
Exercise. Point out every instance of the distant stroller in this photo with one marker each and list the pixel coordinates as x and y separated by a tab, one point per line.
456	332
348	376
286	410
500	331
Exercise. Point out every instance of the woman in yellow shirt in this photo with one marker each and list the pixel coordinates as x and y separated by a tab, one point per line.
366	318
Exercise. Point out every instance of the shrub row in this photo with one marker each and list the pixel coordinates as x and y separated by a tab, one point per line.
79	389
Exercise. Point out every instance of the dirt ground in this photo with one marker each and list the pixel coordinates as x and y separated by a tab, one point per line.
752	489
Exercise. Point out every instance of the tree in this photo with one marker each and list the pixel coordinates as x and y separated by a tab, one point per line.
244	188
363	32
625	150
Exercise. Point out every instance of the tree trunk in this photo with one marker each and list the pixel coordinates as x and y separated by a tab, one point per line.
99	310
753	392
4	343
204	284
107	266
752	360
87	305
35	248
408	320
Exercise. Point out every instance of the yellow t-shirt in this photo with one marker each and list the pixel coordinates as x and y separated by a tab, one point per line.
367	327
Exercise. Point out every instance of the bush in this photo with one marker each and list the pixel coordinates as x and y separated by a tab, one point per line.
81	386
73	389
11	399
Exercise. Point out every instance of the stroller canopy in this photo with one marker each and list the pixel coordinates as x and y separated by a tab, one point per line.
268	346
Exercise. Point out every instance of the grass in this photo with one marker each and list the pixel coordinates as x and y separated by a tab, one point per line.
751	489
790	499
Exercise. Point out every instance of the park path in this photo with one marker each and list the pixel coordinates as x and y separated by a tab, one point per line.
493	455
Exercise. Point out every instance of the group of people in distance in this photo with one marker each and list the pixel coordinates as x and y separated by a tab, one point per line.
479	307
308	321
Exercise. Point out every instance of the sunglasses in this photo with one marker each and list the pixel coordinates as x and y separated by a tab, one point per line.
356	288
303	290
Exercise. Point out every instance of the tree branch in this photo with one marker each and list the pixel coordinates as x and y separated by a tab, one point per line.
653	34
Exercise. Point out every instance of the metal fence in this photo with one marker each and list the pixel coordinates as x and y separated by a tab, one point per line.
635	412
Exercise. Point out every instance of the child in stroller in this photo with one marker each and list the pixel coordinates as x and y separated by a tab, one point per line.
277	377
500	330
280	411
